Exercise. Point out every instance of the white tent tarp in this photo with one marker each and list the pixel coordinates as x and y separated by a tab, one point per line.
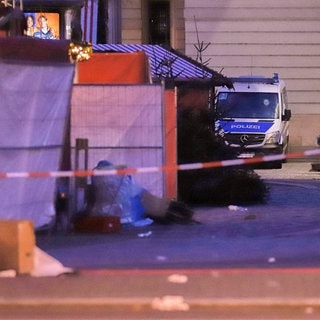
34	104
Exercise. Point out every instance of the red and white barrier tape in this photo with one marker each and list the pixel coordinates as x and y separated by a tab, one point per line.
181	167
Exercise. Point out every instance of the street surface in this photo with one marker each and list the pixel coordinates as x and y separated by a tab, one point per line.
260	263
282	233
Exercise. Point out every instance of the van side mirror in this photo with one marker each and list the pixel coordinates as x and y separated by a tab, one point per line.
287	115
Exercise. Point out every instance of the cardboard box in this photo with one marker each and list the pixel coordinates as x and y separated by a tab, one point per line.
17	244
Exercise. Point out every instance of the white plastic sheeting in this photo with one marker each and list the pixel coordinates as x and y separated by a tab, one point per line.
34	104
124	125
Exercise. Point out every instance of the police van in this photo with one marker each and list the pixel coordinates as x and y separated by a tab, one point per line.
253	117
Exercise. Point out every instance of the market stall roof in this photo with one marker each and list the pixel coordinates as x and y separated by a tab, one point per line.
167	63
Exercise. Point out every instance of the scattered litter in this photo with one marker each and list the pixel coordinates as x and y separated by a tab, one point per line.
273	284
161	258
145	234
272	260
308	310
237	208
170	303
143	222
8	273
47	266
215	274
178	278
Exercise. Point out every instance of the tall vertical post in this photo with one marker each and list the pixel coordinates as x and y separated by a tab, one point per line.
170	118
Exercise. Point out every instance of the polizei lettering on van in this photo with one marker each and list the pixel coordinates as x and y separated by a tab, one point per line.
241	127
245	126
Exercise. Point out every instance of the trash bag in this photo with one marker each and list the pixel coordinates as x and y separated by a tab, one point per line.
165	211
119	195
116	195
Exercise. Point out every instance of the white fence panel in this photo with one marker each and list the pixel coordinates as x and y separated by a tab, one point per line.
123	125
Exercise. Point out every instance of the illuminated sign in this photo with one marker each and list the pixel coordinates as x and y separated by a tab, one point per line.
42	25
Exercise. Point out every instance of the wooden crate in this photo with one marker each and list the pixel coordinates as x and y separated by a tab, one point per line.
17	244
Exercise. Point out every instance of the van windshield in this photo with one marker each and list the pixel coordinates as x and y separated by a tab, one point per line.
255	105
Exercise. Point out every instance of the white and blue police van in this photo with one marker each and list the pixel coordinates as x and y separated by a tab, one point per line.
253	117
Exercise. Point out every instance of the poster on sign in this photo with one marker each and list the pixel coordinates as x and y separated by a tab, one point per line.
42	25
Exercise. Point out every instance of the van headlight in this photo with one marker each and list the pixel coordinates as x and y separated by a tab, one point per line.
273	137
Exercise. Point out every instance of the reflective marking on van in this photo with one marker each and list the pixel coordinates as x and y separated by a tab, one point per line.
245	126
240	127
